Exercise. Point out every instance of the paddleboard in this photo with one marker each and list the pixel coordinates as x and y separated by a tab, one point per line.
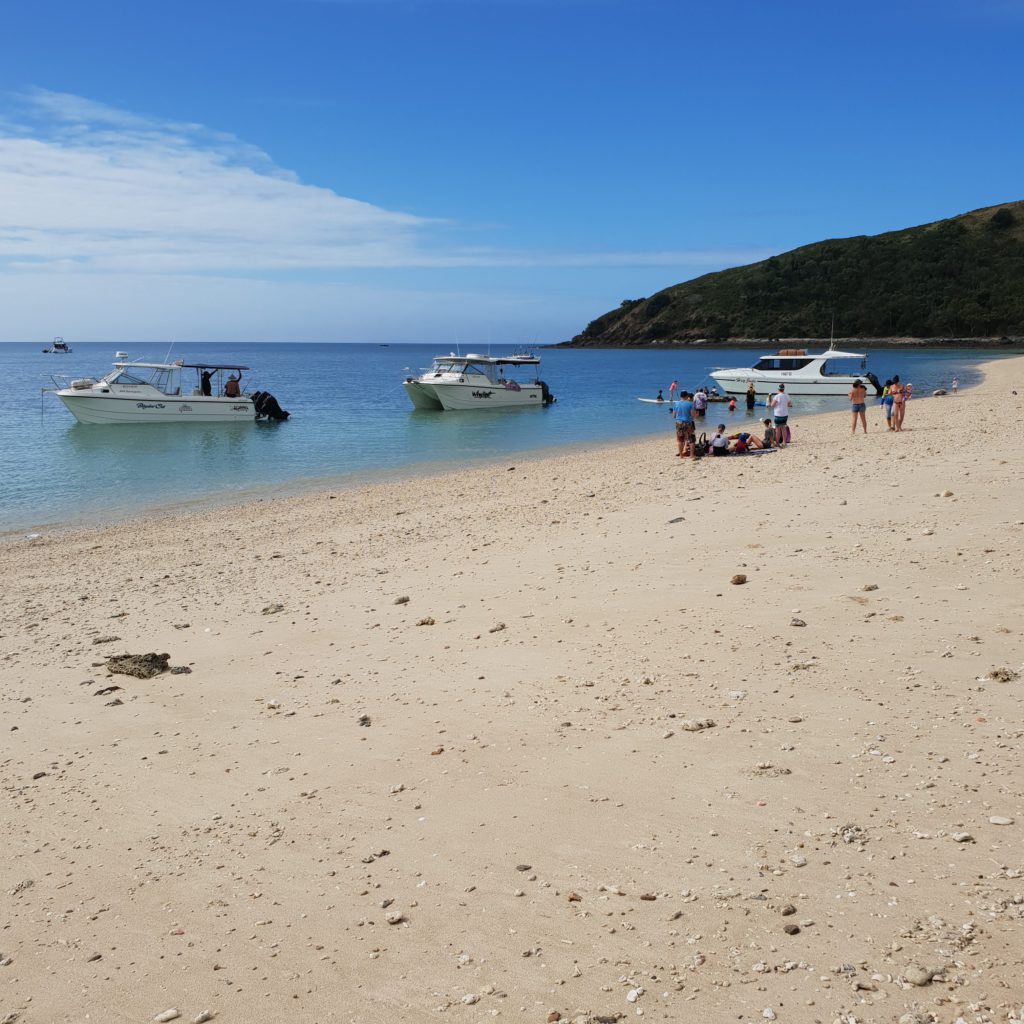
654	401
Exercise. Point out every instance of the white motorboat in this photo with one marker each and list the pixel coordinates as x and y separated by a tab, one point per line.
57	347
479	382
802	372
155	393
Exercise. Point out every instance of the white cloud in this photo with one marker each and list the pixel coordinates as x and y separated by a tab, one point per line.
132	227
81	183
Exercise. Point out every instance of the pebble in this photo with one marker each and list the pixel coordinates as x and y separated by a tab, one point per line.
696	724
962	837
918	975
868	587
404	599
270	609
787	910
428	621
497	627
470	999
998	819
395	917
738	580
524	867
797	622
167	1015
791	929
202	1018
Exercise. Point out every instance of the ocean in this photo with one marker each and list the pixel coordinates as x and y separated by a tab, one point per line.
350	422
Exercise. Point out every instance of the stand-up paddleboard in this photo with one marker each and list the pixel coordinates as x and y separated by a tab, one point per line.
654	401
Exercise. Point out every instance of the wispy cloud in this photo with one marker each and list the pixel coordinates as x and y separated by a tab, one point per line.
91	188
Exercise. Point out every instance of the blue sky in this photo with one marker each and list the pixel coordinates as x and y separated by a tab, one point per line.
498	170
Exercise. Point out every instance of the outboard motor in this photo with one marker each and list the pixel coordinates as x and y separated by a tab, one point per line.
267	407
874	380
546	398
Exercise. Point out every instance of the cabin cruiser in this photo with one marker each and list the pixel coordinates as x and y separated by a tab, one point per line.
802	372
57	347
167	393
479	382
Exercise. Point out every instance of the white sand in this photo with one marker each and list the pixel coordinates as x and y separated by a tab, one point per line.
218	837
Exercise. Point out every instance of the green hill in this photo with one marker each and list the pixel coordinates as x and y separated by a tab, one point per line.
957	278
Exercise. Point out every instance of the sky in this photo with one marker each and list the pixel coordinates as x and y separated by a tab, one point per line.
499	171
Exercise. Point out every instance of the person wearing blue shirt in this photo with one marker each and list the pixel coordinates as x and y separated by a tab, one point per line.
682	415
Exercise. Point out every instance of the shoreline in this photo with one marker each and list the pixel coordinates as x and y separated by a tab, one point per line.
306	487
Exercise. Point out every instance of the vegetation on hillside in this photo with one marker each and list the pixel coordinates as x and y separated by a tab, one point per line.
957	278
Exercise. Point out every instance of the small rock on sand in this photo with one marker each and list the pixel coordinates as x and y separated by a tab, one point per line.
918	975
273	609
797	622
142	666
738	580
998	819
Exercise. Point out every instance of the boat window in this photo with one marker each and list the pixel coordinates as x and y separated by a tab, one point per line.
124	377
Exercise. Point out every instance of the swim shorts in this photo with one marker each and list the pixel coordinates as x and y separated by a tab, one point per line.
858	406
684	431
780	421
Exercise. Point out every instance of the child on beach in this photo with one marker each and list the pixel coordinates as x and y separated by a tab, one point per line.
955	384
769	439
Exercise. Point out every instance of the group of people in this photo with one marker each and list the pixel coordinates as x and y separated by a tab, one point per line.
894	398
689	408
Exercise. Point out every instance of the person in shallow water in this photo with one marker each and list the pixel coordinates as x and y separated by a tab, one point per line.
751	396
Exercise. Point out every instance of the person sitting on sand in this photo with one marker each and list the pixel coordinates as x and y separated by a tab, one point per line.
744	441
719	441
770	439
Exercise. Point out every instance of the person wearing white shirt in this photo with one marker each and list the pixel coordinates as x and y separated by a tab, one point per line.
780	410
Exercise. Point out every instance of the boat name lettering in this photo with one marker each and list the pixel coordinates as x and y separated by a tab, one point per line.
184	407
239	408
150	405
482	394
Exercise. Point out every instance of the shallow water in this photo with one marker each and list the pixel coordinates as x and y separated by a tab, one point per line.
350	418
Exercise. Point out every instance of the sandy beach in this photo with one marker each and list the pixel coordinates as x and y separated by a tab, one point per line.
510	743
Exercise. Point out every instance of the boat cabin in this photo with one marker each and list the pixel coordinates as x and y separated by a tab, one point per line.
166	378
789	360
494	370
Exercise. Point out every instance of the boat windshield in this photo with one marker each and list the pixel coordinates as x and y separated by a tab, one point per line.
161	378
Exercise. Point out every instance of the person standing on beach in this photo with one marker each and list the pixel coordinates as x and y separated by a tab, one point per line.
751	396
780	410
682	416
858	403
955	384
886	403
897	392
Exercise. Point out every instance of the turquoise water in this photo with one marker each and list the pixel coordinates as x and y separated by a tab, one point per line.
350	419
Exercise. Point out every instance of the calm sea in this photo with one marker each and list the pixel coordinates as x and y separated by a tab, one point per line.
351	421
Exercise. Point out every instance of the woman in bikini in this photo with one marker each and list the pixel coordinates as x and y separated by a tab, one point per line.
897	392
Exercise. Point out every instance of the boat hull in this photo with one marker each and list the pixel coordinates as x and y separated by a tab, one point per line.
422	395
169	409
735	382
459	397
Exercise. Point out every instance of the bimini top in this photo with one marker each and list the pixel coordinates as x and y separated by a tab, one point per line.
473	357
802	353
179	365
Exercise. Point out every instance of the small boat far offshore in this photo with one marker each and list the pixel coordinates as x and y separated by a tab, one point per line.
57	347
479	382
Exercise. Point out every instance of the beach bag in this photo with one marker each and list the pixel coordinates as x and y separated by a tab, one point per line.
701	445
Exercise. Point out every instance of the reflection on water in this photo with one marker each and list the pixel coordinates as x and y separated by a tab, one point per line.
350	417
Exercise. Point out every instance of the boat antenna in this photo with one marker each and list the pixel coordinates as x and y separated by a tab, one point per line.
832	334
167	358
